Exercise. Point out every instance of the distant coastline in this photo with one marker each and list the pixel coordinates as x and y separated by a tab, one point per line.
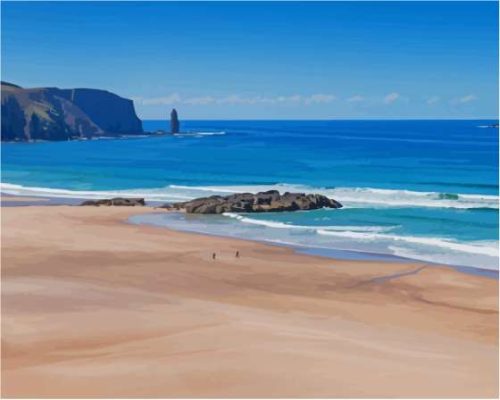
54	114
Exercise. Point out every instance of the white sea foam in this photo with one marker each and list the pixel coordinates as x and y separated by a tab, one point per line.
282	225
349	197
446	258
199	134
365	239
376	234
406	198
210	133
214	189
478	247
148	194
371	197
486	126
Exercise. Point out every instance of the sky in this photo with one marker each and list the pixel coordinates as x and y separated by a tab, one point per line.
263	60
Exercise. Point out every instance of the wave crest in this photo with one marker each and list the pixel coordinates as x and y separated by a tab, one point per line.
200	134
282	225
376	233
483	248
350	197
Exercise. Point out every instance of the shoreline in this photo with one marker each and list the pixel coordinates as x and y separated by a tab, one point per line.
334	254
94	306
9	200
331	253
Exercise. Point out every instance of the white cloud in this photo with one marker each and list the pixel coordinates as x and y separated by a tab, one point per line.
432	100
175	98
466	99
199	100
233	99
391	98
355	99
319	98
289	99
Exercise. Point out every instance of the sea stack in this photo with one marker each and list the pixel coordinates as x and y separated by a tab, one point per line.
174	122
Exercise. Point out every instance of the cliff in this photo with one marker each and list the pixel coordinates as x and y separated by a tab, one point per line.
62	114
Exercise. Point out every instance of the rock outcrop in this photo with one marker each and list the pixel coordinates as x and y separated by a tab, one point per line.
63	114
174	122
270	201
117	201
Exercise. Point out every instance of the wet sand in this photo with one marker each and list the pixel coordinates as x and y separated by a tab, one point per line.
22	199
95	307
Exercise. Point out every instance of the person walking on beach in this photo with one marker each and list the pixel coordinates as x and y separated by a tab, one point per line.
237	254
213	256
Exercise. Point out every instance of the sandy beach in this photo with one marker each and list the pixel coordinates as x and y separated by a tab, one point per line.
95	307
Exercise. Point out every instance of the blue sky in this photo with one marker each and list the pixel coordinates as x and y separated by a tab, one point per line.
264	60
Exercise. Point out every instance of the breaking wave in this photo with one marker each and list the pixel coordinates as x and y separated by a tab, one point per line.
282	225
372	197
162	194
369	239
349	197
377	234
200	134
479	247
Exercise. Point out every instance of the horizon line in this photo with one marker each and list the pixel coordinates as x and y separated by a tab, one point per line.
334	119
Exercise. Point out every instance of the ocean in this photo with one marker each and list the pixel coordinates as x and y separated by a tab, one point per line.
424	190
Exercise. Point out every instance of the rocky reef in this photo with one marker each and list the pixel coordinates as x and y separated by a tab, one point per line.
270	201
117	201
63	114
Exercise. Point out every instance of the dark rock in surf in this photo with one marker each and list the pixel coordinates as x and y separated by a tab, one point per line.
117	201
270	201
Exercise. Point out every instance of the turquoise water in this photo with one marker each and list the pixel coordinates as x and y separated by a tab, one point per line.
426	190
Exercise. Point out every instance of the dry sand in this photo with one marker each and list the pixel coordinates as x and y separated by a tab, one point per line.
95	307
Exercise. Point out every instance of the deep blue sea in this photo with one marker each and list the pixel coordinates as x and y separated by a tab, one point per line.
425	190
